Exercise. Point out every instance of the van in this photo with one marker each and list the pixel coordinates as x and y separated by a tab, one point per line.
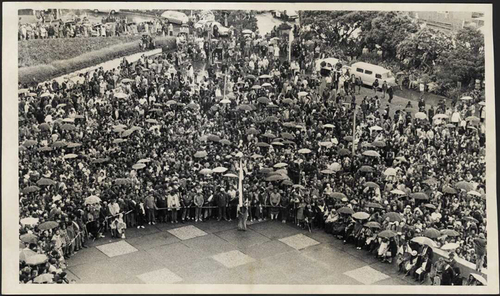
369	72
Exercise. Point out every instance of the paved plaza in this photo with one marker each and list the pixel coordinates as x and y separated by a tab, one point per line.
213	252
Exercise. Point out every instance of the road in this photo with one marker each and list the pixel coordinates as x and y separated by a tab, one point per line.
266	22
214	252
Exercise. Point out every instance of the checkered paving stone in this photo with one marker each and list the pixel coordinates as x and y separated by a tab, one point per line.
187	232
233	258
117	249
299	241
366	275
161	276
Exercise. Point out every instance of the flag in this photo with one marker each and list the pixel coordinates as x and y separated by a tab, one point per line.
240	184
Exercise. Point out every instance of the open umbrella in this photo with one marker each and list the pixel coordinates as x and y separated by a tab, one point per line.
29	143
430	181
430	206
30	189
304	151
151	121
122	181
200	154
450	246
73	145
391	172
265	170
302	93
48	225
70	156
420	115
327	172
59	144
366	169
474	193
338	195
119	141
419	195
44	278
230	175
345	210
424	241
29	221
93	199
374	205
298	186
379	144
213	138
348	138
361	215
449	190
464	185
471	219
371	153
45	182
120	95
252	131
275	178
386	234
287	136
440	116
244	107
246	31
262	144
225	142
277	144
479	278
372	185
466	98
257	156
206	171
138	166
268	135
29	238
280	165
335	167
398	192
225	101
263	100
25	254
393	217
37	259
325	144
431	233
68	127
372	224
328	125
100	160
344	152
450	232
219	170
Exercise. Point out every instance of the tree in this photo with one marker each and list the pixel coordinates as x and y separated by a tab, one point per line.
423	48
387	30
337	26
465	61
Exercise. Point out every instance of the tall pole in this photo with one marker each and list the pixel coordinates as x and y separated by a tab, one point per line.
354	133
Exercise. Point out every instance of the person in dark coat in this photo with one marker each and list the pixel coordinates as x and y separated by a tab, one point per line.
222	201
161	203
424	267
447	275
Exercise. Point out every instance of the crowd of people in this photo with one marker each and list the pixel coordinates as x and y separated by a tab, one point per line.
110	26
155	141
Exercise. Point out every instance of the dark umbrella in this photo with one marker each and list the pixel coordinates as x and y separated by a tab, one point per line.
432	233
393	217
345	210
387	234
45	182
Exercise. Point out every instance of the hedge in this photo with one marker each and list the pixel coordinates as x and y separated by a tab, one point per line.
58	68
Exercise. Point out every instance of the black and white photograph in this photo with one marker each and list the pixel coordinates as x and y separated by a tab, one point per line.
249	147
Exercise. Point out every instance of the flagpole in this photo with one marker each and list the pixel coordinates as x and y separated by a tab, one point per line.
240	184
354	133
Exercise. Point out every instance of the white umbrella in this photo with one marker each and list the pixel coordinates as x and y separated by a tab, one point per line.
391	172
29	221
304	151
219	170
225	101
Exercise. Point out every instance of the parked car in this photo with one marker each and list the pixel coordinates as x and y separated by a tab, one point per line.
369	72
112	11
287	15
175	17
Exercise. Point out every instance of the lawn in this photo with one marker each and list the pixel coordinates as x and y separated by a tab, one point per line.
45	51
57	57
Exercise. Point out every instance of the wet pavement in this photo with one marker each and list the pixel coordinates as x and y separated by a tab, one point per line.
212	252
